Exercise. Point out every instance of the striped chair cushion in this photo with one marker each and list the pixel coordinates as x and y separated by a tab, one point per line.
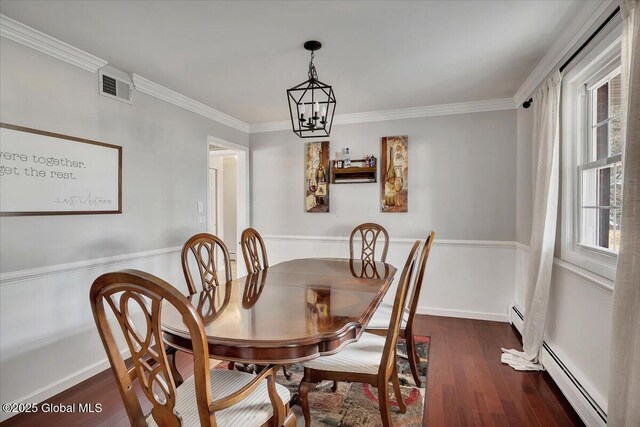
382	316
362	356
255	410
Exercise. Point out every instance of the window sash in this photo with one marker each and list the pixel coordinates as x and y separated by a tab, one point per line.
599	163
587	144
606	121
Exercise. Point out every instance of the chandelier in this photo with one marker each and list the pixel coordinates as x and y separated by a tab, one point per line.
311	103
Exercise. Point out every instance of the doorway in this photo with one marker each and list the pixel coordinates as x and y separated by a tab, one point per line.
227	196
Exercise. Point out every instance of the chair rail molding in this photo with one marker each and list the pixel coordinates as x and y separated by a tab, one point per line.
565	43
399	240
53	270
30	37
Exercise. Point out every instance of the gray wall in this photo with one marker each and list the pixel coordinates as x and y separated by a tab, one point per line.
524	186
164	162
462	179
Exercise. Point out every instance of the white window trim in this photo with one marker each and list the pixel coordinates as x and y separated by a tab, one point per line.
601	262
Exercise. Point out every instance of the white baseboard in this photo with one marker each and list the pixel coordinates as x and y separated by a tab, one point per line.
62	353
50	390
478	315
576	393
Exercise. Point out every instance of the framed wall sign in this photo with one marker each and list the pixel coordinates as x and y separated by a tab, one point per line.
394	186
44	173
316	177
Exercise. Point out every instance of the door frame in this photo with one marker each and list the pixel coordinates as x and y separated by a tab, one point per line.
243	207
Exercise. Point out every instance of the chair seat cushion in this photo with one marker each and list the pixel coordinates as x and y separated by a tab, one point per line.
254	410
362	356
382	316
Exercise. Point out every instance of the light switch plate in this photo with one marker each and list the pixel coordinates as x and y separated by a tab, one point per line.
200	207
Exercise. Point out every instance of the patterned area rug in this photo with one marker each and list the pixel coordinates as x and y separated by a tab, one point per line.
355	404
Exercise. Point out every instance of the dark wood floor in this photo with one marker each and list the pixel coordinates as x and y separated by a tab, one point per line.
467	384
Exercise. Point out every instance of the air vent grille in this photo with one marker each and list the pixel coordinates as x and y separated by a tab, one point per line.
115	84
109	85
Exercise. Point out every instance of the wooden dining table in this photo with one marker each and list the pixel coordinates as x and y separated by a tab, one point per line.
289	312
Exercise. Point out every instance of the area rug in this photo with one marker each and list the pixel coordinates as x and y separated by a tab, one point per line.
356	405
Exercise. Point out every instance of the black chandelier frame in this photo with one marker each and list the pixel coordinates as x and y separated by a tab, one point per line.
315	125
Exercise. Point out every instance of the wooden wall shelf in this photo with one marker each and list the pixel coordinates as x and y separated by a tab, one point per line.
354	174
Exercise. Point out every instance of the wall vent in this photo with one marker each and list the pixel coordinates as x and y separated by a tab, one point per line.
115	84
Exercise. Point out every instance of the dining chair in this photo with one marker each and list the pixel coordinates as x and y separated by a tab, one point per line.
381	319
369	233
211	397
370	360
251	241
204	247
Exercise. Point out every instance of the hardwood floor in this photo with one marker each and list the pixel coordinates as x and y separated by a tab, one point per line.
467	384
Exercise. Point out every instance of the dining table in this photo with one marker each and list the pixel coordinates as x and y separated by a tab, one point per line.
289	312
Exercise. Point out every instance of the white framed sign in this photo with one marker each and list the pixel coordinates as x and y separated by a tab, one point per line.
44	173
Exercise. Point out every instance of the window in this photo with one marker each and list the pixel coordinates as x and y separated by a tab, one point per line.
592	159
600	171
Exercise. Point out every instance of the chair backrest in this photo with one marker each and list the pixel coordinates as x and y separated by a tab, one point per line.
388	355
127	290
204	247
251	242
369	234
419	277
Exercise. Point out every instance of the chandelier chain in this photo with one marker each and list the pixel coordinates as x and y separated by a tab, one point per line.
313	74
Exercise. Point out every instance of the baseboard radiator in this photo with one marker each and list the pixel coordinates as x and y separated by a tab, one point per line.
584	404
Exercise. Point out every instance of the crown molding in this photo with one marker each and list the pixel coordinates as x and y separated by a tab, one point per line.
154	89
30	37
570	37
401	113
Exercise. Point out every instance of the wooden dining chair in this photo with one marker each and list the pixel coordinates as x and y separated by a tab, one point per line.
368	233
203	247
251	242
211	397
381	319
370	360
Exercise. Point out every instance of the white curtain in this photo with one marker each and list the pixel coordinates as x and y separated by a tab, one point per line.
624	387
546	129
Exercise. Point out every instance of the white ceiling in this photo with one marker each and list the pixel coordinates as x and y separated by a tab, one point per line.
240	57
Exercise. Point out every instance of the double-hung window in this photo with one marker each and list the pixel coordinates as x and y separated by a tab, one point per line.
592	160
600	169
